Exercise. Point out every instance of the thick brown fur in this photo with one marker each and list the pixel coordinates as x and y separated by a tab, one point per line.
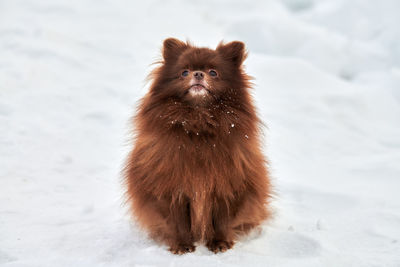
197	172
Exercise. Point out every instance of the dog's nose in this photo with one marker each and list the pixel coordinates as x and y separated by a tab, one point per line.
198	75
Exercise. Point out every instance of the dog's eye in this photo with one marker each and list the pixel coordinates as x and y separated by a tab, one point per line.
213	73
185	73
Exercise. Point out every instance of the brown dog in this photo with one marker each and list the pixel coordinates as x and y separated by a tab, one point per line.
197	172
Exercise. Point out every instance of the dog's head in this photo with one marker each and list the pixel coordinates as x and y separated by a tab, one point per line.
200	76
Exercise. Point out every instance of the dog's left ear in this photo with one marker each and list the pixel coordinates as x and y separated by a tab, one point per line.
234	52
172	48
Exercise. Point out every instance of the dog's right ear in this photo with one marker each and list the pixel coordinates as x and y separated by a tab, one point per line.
172	48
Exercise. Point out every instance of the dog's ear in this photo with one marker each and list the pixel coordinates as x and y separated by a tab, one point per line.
233	52
172	48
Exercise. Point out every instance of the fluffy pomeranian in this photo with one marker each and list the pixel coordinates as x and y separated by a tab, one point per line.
196	173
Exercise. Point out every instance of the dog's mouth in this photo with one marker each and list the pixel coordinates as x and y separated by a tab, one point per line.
198	89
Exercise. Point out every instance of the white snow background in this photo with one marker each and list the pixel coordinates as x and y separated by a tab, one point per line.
327	85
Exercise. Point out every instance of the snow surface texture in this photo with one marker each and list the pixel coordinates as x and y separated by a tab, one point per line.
327	85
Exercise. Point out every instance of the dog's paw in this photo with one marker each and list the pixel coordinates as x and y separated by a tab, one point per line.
219	245
182	249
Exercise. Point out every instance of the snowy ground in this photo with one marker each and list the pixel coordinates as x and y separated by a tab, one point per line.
327	85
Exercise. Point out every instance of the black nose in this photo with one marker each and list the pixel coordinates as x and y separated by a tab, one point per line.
198	75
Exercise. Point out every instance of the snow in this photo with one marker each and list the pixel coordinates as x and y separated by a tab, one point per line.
327	87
